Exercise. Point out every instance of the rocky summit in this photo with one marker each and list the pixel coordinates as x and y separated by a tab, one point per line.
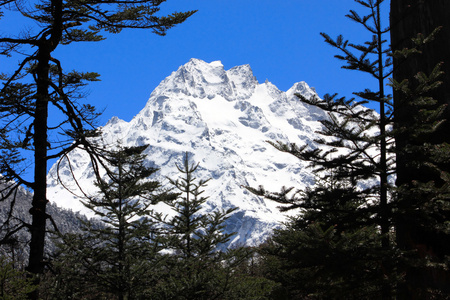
223	119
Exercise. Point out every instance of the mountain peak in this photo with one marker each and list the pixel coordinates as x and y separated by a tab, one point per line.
200	79
202	63
195	65
223	118
301	88
115	120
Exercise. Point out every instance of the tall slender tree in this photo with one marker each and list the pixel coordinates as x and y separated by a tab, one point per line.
39	84
194	233
194	266
353	161
198	266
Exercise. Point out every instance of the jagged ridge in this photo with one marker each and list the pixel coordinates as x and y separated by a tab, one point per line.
223	118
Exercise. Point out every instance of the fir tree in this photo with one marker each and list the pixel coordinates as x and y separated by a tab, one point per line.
198	267
423	204
116	257
420	37
40	85
319	262
348	210
14	284
195	234
349	197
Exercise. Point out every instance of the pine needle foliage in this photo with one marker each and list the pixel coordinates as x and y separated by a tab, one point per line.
195	234
116	255
422	209
193	269
354	143
14	284
348	210
41	113
197	265
319	262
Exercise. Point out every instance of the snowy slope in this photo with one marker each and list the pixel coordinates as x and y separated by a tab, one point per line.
223	118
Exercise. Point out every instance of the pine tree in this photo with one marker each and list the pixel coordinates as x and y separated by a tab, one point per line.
423	204
196	234
348	210
40	85
14	284
197	267
319	262
420	36
117	257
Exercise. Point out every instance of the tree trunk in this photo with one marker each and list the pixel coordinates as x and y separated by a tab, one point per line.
409	18
38	209
39	203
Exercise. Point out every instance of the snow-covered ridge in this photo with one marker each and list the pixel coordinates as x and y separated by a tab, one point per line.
223	118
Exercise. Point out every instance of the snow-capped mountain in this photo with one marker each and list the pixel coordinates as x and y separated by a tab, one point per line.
223	118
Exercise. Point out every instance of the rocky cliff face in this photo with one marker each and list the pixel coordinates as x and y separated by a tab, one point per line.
16	247
224	119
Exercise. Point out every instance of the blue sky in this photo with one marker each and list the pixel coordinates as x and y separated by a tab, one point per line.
279	39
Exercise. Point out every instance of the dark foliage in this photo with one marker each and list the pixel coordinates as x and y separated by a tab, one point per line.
118	257
197	267
40	86
423	204
341	242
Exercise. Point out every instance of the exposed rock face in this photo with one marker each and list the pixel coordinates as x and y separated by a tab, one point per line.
223	118
16	248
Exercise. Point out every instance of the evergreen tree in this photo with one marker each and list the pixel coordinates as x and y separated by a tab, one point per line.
348	210
319	262
195	234
347	200
14	284
40	85
197	267
423	204
422	120
116	258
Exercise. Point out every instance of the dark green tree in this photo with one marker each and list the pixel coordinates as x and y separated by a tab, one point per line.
39	86
195	234
197	266
14	284
115	252
319	262
422	121
348	210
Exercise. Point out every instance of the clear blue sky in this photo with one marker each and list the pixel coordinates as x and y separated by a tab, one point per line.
279	39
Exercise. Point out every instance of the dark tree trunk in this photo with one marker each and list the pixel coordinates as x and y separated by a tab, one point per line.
409	18
38	209
39	203
53	18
